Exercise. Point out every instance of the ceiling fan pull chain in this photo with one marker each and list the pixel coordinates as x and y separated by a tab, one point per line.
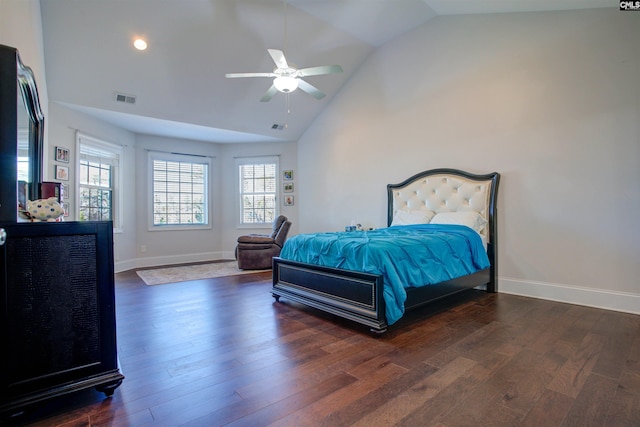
286	122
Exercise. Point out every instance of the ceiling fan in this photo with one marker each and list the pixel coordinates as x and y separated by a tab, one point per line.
288	78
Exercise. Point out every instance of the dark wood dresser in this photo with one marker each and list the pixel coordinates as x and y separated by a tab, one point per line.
57	306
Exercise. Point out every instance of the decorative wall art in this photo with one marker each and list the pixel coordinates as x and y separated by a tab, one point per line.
287	175
288	187
62	154
62	173
288	200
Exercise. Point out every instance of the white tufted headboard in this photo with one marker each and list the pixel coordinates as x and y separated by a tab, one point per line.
446	190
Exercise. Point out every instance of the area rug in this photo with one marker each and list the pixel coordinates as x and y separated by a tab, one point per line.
161	276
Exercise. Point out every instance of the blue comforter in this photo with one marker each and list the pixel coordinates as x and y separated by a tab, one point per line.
406	256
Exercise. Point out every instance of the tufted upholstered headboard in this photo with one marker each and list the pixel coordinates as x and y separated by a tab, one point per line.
446	190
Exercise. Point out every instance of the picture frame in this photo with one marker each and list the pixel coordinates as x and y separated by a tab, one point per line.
62	154
62	173
287	187
65	207
288	200
287	175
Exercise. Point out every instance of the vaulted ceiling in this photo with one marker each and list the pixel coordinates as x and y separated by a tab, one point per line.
179	82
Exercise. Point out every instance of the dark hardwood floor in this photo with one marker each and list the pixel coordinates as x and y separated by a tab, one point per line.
223	352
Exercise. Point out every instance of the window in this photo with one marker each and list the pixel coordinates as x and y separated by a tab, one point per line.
98	178
23	155
179	190
258	184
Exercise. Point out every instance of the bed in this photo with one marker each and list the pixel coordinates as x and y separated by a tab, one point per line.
438	204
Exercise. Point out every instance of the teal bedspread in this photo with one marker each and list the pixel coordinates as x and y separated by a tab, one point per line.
406	256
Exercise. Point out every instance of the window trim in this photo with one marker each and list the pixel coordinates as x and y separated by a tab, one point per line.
190	158
252	161
117	196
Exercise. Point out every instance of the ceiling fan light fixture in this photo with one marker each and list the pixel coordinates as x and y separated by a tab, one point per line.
140	44
286	84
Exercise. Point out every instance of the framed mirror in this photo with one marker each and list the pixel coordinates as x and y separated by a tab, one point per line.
21	134
30	131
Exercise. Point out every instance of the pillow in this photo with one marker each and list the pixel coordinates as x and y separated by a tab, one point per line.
412	216
471	219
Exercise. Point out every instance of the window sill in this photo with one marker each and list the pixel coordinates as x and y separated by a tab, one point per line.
255	226
179	227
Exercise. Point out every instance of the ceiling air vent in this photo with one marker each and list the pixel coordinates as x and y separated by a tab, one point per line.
127	99
276	126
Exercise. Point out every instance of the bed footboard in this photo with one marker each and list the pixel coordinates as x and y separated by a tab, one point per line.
350	294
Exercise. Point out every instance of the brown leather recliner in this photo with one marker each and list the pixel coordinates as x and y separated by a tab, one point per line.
255	251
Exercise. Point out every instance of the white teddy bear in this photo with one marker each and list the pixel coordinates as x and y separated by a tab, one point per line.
45	209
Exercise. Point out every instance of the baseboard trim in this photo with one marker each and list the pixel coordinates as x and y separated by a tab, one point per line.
121	266
598	298
171	260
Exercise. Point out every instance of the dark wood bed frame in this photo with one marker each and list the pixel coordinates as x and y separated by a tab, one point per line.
358	296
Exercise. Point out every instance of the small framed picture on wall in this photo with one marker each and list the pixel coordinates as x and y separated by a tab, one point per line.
62	173
62	155
287	175
288	200
288	187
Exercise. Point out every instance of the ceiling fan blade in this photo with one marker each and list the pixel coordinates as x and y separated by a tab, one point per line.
310	89
236	75
323	69
278	58
269	94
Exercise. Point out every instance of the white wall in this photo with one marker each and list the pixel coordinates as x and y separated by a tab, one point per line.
549	100
164	247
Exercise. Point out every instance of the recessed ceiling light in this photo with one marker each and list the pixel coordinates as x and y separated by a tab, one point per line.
140	44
